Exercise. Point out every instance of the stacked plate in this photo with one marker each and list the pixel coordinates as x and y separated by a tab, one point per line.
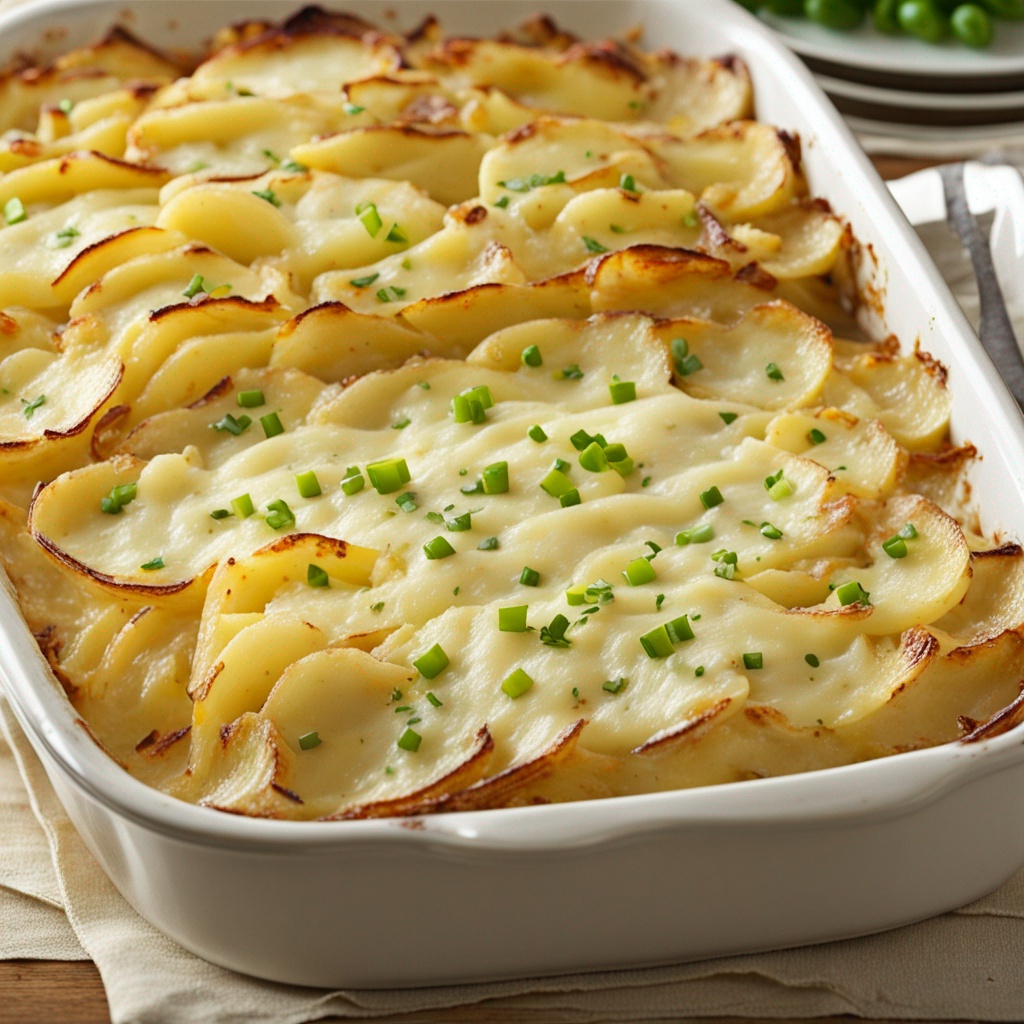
897	86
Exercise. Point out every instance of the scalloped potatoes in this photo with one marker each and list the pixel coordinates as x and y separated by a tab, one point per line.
402	424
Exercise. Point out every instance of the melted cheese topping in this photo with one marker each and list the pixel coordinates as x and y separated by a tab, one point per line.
432	424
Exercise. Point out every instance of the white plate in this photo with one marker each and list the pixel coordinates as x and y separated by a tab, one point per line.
905	99
866	49
591	885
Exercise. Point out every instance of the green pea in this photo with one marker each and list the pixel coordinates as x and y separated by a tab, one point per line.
838	14
922	19
972	26
884	16
785	8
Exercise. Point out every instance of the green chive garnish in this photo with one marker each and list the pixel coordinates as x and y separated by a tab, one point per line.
120	495
777	487
572	372
309	741
771	532
622	391
529	577
388	475
627	183
516	684
14	211
728	417
533	181
513	619
251	399
773	372
431	663
280	514
220	513
410	740
698	535
407	502
30	407
401	424
308	484
495	478
711	497
230	425
353	481
569	498
195	286
639	571
615	685
593	458
317	577
390	294
753	661
685	362
396	234
271	424
243	506
363	282
438	548
895	547
370	218
556	483
488	544
352	109
852	593
536	433
153	563
531	356
815	436
63	238
657	643
812	660
909	532
593	245
268	194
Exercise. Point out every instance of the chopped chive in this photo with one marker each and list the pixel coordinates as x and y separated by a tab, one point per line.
434	702
685	361
516	684
119	496
308	484
533	181
513	619
728	417
466	409
593	458
294	167
697	535
658	602
63	238
317	577
699	671
655	549
570	498
229	425
251	399
812	660
388	475
778	487
646	481
271	424
370	218
502	202
553	634
410	740
909	532
536	433
627	183
396	234
30	407
530	356
363	282
352	109
852	593
593	245
561	465
309	740
895	547
581	440
407	501
220	513
615	685
711	497
529	577
432	662
495	478
14	211
556	483
473	488
390	294
401	424
438	548
153	563
280	514
268	194
195	286
771	532
690	220
353	481
657	643
815	436
639	571
377	606
243	506
753	660
572	372
773	372
679	629
622	391
488	544
65	106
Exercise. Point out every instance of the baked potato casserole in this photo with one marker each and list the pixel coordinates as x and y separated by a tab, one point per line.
393	423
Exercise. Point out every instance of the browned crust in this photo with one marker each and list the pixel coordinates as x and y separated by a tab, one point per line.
325	546
100	244
267	305
221	388
1002	721
105	433
690	729
716	235
155	745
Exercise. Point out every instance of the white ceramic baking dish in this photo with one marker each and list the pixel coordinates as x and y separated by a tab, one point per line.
613	883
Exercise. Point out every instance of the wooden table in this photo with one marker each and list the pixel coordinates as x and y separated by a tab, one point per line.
70	992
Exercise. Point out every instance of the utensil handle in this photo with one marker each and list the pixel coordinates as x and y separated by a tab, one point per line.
995	329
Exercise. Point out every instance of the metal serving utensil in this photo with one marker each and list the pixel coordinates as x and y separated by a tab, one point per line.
995	328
